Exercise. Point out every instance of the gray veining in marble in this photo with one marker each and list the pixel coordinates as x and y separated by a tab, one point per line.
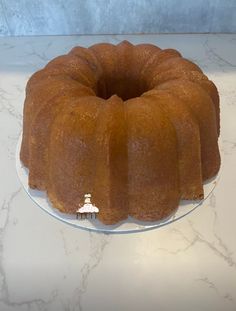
57	17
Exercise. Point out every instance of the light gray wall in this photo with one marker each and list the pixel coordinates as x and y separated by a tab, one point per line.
57	17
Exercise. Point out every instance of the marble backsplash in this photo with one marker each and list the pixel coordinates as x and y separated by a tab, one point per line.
57	17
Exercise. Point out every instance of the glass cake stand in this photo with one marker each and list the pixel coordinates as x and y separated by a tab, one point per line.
127	226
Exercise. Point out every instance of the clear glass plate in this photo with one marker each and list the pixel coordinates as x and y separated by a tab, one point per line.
127	226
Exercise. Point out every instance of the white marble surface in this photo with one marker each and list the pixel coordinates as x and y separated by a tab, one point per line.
47	265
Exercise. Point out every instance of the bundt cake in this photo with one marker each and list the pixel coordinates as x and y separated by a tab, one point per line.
134	125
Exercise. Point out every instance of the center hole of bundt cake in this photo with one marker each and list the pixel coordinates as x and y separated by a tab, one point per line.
125	88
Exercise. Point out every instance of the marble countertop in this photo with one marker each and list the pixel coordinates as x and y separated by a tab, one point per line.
48	265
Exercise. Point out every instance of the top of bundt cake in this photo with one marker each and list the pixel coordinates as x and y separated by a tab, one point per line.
135	125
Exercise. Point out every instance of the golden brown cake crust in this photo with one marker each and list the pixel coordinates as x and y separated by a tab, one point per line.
153	177
136	126
188	138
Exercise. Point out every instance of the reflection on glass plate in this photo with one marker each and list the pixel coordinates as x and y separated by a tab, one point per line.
126	226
